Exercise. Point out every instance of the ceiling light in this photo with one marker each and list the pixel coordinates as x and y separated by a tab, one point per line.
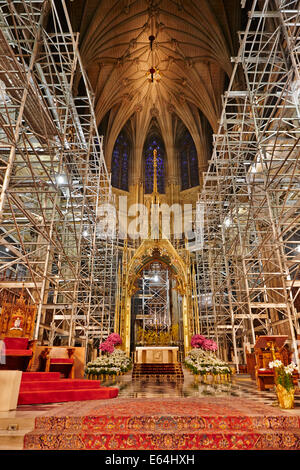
153	75
227	222
151	39
60	179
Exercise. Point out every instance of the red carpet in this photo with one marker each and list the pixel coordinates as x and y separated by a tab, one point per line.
172	424
43	387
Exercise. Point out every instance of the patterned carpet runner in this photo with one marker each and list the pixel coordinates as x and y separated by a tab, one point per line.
172	424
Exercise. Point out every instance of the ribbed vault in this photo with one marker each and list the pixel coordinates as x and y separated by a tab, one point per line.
192	48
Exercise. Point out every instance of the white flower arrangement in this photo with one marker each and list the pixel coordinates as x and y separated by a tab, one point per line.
276	363
284	373
289	369
206	362
116	362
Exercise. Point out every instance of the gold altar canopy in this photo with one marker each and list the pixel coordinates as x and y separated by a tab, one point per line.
148	252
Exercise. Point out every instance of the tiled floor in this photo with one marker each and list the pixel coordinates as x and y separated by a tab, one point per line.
241	387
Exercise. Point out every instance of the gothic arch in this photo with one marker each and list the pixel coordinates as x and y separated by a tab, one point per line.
121	161
164	252
154	140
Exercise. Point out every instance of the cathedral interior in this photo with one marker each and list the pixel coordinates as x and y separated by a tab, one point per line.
150	181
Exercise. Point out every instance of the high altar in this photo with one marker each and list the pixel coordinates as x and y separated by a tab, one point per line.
156	355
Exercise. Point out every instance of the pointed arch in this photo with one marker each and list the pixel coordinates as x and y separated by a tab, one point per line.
154	141
120	161
188	161
164	252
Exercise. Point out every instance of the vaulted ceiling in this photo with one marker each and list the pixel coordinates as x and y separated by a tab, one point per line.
192	46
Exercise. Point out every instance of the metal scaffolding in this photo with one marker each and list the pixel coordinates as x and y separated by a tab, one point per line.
53	178
250	257
154	308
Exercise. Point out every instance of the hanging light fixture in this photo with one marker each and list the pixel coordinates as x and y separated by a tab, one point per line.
151	39
153	73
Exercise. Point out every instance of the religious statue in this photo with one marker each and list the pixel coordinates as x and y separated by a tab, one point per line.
17	322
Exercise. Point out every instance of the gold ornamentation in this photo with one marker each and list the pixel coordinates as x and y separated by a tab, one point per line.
152	337
17	319
163	251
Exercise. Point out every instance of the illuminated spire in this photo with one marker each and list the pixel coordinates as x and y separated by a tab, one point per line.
155	192
155	225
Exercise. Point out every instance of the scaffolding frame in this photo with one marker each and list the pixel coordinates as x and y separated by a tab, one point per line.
53	178
249	259
154	295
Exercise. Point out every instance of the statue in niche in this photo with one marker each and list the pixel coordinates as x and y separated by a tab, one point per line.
17	322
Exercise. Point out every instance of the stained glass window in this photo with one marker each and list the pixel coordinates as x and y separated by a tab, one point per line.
188	162
154	142
119	162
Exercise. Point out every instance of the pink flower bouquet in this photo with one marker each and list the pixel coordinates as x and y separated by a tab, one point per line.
199	341
209	345
115	339
107	347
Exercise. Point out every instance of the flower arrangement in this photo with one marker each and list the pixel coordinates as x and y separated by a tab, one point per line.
284	374
108	346
115	339
284	383
115	363
199	341
202	362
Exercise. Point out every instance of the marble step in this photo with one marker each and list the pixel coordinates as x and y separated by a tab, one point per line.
12	432
11	423
13	440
